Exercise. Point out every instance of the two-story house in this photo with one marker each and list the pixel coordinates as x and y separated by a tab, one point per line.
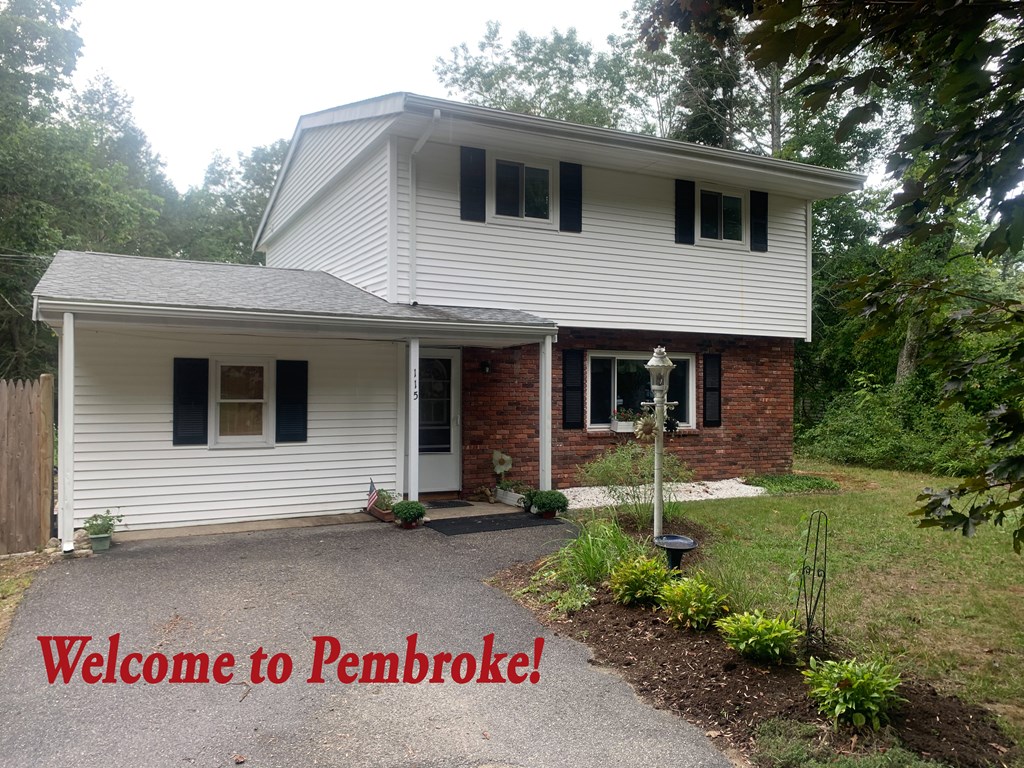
442	280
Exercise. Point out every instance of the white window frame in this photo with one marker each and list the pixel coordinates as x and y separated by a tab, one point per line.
691	389
492	195
721	242
264	440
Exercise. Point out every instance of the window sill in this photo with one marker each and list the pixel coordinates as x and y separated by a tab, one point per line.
238	446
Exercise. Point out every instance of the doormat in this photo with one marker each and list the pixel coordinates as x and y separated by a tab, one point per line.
457	526
446	504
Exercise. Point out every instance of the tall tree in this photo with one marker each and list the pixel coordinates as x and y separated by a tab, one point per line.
219	219
966	151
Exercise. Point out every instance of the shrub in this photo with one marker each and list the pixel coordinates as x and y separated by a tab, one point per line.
549	501
515	486
897	427
759	637
573	598
851	691
627	470
639	580
409	511
692	603
591	556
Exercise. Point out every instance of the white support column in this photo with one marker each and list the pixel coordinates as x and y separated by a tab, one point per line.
66	434
545	414
412	475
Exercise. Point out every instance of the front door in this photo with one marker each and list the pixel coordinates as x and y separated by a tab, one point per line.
440	420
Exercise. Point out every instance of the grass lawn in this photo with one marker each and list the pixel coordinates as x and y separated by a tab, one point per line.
948	608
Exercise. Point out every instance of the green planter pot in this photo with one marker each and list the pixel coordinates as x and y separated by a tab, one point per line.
100	542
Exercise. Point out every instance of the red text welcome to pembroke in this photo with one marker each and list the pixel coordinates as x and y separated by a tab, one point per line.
65	659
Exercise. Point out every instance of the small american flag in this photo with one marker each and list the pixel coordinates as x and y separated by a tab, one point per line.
371	498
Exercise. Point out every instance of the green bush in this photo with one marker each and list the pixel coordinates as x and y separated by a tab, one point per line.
692	603
639	580
627	470
408	511
897	428
567	601
549	501
777	485
760	637
385	499
591	556
851	691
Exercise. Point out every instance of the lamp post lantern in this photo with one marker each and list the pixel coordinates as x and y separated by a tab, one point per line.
659	367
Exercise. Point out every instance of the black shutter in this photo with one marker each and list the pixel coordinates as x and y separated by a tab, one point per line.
570	197
685	191
191	400
572	389
473	184
712	390
292	387
758	221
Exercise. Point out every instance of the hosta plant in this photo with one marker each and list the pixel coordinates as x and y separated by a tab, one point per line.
760	637
639	581
692	603
855	692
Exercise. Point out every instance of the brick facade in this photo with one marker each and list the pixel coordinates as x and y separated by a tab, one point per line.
499	407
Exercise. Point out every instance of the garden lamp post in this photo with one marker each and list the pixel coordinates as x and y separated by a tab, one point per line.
659	367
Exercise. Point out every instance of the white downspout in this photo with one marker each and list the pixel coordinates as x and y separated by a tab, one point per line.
412	202
66	434
545	414
413	422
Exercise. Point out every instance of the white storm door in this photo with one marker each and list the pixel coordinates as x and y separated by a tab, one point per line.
440	401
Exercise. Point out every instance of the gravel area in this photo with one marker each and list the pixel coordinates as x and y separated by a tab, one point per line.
598	496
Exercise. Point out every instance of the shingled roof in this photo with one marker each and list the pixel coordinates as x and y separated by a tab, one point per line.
105	279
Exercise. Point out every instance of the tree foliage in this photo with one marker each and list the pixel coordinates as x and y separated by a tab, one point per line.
78	173
962	150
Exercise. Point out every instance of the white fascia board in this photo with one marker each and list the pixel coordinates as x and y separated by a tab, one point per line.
51	310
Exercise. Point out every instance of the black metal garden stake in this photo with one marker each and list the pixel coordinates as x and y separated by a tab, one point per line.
813	575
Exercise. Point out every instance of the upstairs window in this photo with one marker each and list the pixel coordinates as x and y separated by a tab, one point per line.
721	216
522	191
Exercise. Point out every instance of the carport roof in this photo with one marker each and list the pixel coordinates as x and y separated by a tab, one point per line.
108	284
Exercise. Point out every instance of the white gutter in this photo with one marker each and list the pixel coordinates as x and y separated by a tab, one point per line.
399	326
412	202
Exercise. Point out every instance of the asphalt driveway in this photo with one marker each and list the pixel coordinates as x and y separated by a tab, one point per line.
369	586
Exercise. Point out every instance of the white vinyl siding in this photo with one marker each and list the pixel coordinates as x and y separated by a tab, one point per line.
623	271
125	462
320	155
346	232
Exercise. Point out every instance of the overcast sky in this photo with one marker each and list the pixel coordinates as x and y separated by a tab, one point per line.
227	75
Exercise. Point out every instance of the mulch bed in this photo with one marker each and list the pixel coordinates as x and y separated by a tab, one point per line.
699	677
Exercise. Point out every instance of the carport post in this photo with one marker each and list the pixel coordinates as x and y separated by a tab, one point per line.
413	423
545	414
66	434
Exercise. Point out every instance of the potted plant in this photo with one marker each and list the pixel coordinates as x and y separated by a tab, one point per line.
408	513
622	419
512	492
547	504
100	528
381	508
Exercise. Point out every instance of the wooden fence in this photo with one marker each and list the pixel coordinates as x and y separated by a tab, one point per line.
26	463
